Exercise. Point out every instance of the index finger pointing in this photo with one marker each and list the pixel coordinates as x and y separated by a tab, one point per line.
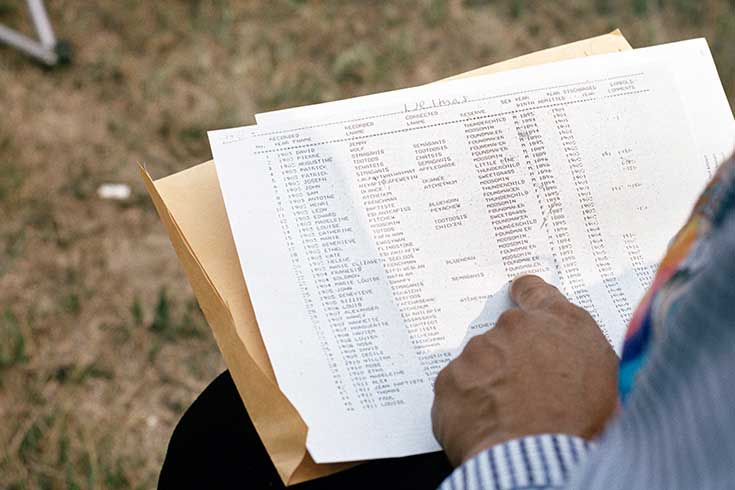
531	292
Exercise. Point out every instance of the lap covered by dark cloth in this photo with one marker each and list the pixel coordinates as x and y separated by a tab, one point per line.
215	445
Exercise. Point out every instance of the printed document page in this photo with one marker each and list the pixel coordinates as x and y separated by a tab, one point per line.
374	245
705	103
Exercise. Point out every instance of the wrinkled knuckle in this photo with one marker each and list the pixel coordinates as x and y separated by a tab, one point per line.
440	380
535	293
510	318
474	341
443	378
473	345
564	308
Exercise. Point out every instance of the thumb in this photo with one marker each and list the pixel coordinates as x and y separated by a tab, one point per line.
530	292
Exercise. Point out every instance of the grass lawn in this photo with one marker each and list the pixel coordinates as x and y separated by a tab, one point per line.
102	346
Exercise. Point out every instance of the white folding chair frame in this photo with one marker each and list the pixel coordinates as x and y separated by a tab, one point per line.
45	48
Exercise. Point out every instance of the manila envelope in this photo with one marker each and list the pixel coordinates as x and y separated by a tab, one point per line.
190	206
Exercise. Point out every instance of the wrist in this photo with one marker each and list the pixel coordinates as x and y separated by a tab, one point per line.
483	444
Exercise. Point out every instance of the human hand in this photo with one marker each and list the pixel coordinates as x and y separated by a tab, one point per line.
545	367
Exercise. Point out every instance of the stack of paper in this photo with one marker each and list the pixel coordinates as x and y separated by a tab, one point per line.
377	234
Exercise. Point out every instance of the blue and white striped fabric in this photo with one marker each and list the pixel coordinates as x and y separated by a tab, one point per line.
677	428
542	461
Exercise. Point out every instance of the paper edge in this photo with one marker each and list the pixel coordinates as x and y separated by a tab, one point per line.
297	468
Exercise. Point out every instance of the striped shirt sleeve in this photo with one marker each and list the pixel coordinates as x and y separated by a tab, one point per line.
533	462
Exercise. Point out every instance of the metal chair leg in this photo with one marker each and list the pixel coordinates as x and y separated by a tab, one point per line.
46	49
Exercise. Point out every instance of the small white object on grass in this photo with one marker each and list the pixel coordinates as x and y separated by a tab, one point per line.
118	192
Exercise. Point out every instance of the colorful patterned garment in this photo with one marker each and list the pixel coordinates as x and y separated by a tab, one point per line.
687	250
676	429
